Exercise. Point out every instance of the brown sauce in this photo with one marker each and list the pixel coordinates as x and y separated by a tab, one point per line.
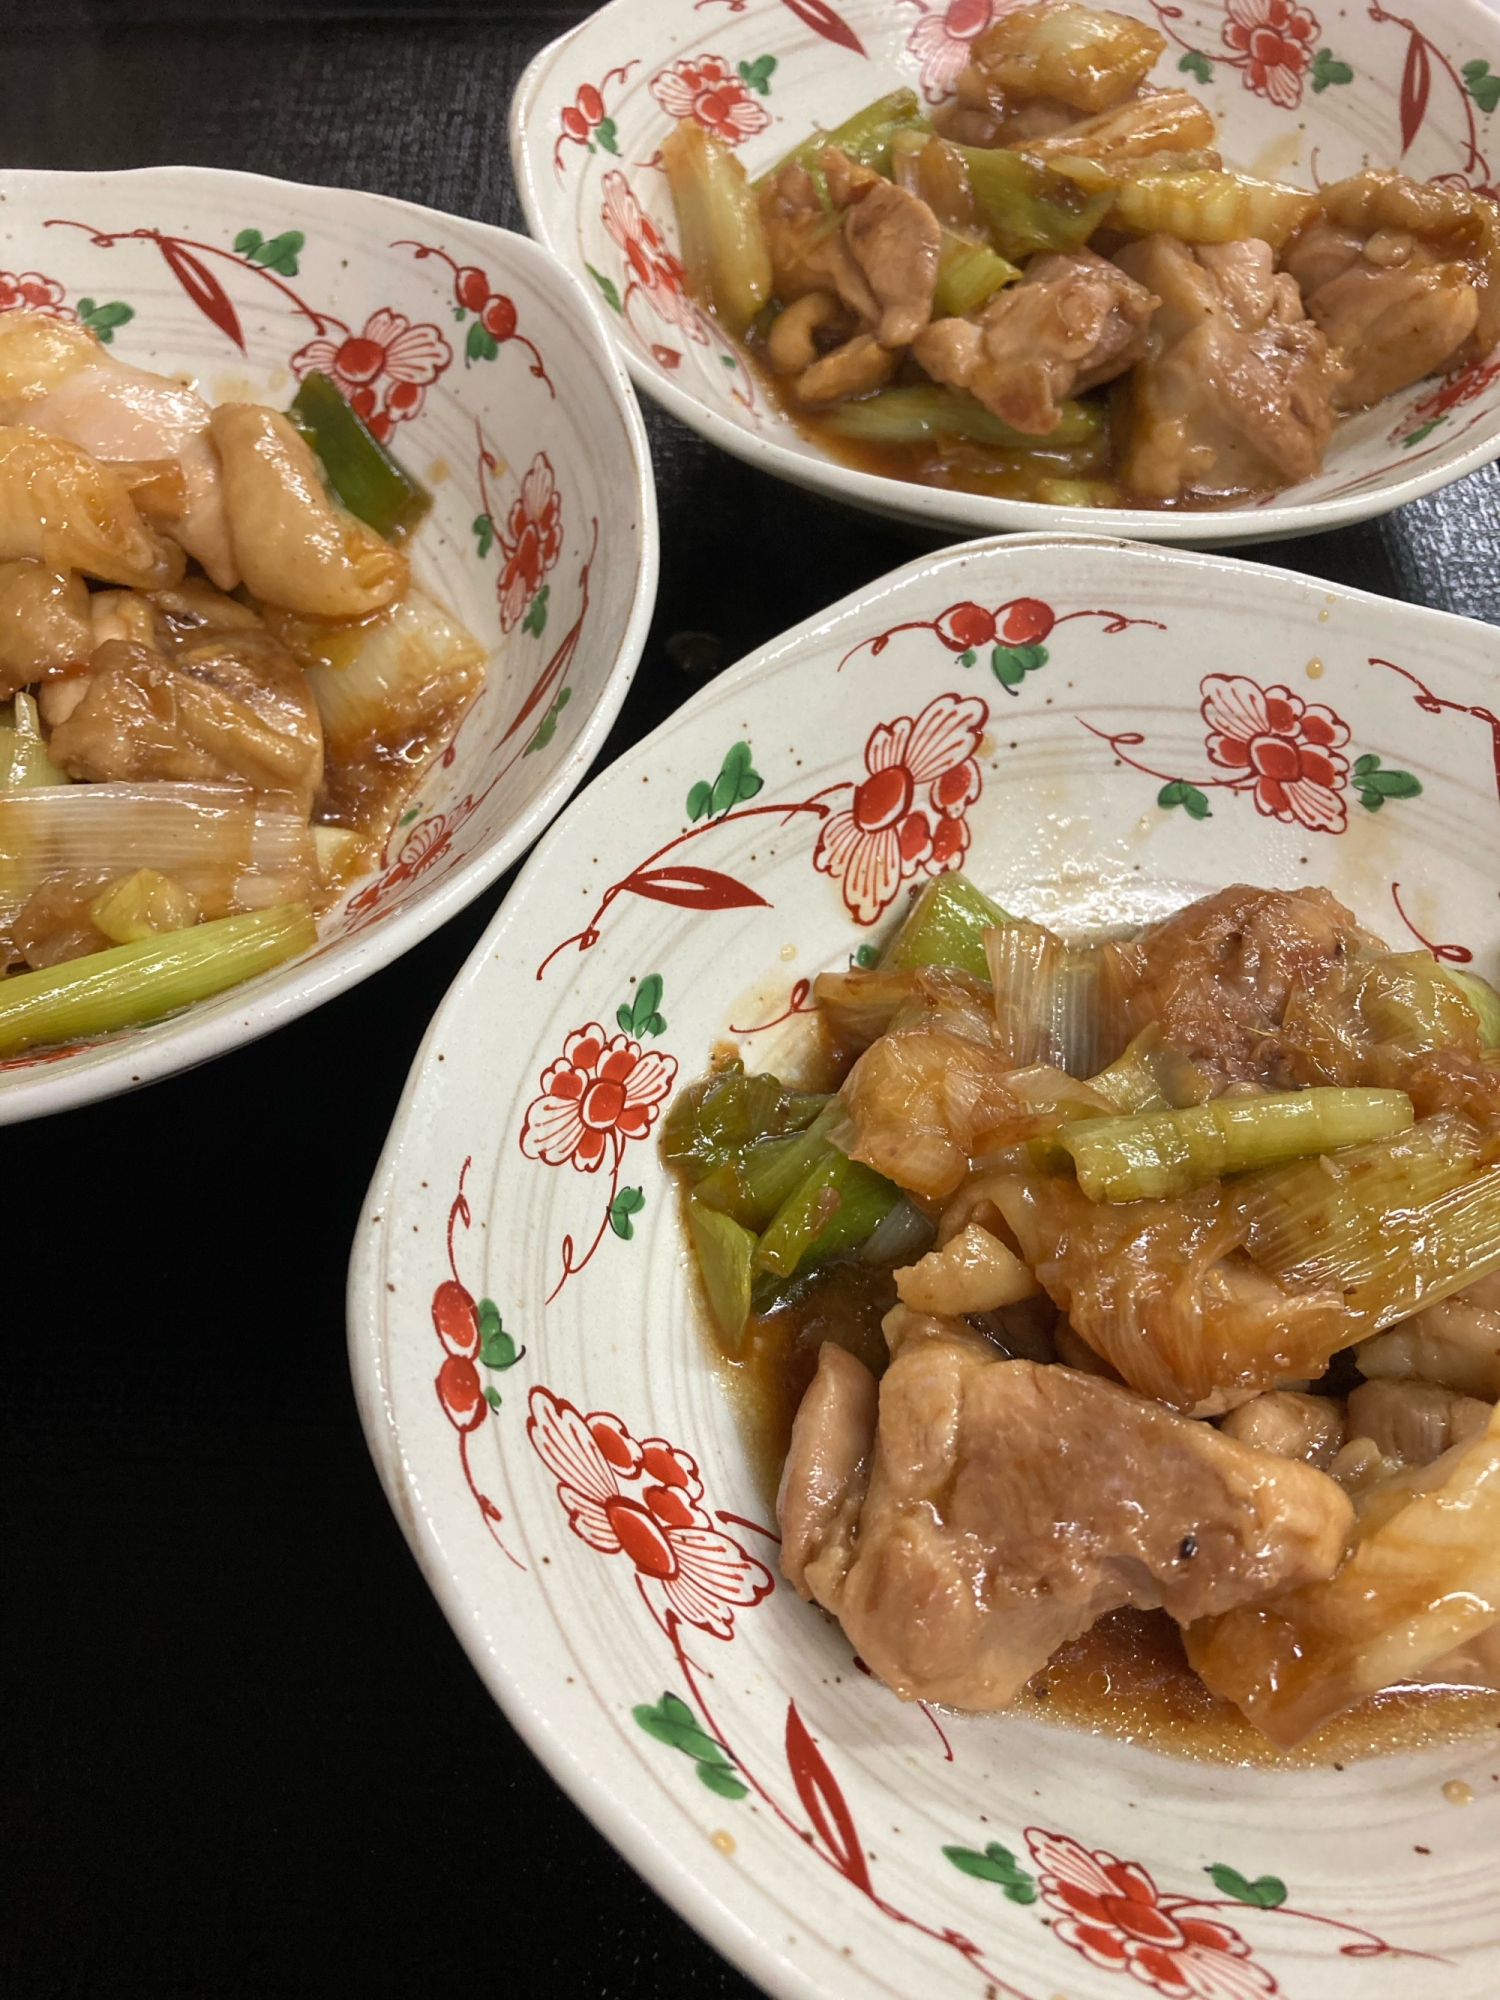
1128	1677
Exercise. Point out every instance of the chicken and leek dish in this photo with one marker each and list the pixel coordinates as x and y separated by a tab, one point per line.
1159	1273
218	679
1054	289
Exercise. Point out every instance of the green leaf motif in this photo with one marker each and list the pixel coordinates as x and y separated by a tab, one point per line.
640	1016
1482	85
608	138
1328	69
280	254
607	287
1422	431
1266	1892
996	1864
248	242
737	781
672	1722
1011	664
481	344
699	799
757	75
628	1202
1180	793
967	658
484	531
102	320
497	1349
1375	785
492	1396
547	727
1195	63
866	956
408	816
535	620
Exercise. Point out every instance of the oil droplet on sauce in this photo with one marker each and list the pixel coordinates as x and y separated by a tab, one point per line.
788	952
1457	1793
1315	669
438	471
722	1840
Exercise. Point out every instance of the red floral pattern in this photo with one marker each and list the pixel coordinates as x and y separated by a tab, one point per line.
602	1091
643	1499
885	836
654	271
31	288
1274	41
1111	1912
706	89
530	541
385	370
940	41
1287	750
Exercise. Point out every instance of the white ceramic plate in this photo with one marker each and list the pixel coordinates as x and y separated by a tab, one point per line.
1095	725
512	407
1301	95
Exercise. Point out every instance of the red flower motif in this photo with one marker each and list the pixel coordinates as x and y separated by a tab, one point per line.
1464	385
30	288
653	268
641	1499
531	541
385	371
1287	750
1110	1911
707	89
884	836
940	42
602	1091
1274	40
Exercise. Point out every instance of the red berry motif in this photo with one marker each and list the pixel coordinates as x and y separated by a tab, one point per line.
471	287
460	1393
1027	622
499	317
454	1317
591	104
964	626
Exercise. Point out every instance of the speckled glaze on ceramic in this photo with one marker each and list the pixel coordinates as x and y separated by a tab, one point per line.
482	363
1094	729
1300	94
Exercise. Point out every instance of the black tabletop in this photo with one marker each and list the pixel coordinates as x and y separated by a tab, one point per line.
242	1753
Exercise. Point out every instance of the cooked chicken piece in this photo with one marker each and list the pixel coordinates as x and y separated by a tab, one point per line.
1422	1577
1415	1422
1293	1426
44	623
895	239
854	369
61	508
792	343
828	1462
1072	322
831	265
1009	1505
1320	250
1074	1352
1234	393
795	223
235	705
1217	976
293	546
122	614
974	1272
1163	1291
1360	1465
1057	48
1455	1343
1153	121
848	180
939	173
981	114
1394	326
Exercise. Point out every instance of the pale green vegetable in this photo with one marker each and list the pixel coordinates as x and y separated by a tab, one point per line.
23	748
947	926
1051	1003
1483	998
1028	207
835	1207
145	904
969	275
919	411
723	1249
134	983
1160	1153
1210	205
866	136
1149	1076
723	241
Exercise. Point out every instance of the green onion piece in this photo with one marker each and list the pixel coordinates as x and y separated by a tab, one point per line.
865	136
23	748
132	983
1485	1001
1152	1076
969	275
723	1249
714	1121
836	1206
1029	207
921	411
359	468
946	927
723	239
1158	1153
754	1184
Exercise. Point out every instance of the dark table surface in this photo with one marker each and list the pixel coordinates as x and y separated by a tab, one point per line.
242	1753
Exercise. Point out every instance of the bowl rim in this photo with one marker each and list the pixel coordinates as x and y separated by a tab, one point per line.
630	1832
941	508
199	1037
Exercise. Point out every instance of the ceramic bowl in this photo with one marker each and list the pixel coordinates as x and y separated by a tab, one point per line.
1302	96
483	365
1116	729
